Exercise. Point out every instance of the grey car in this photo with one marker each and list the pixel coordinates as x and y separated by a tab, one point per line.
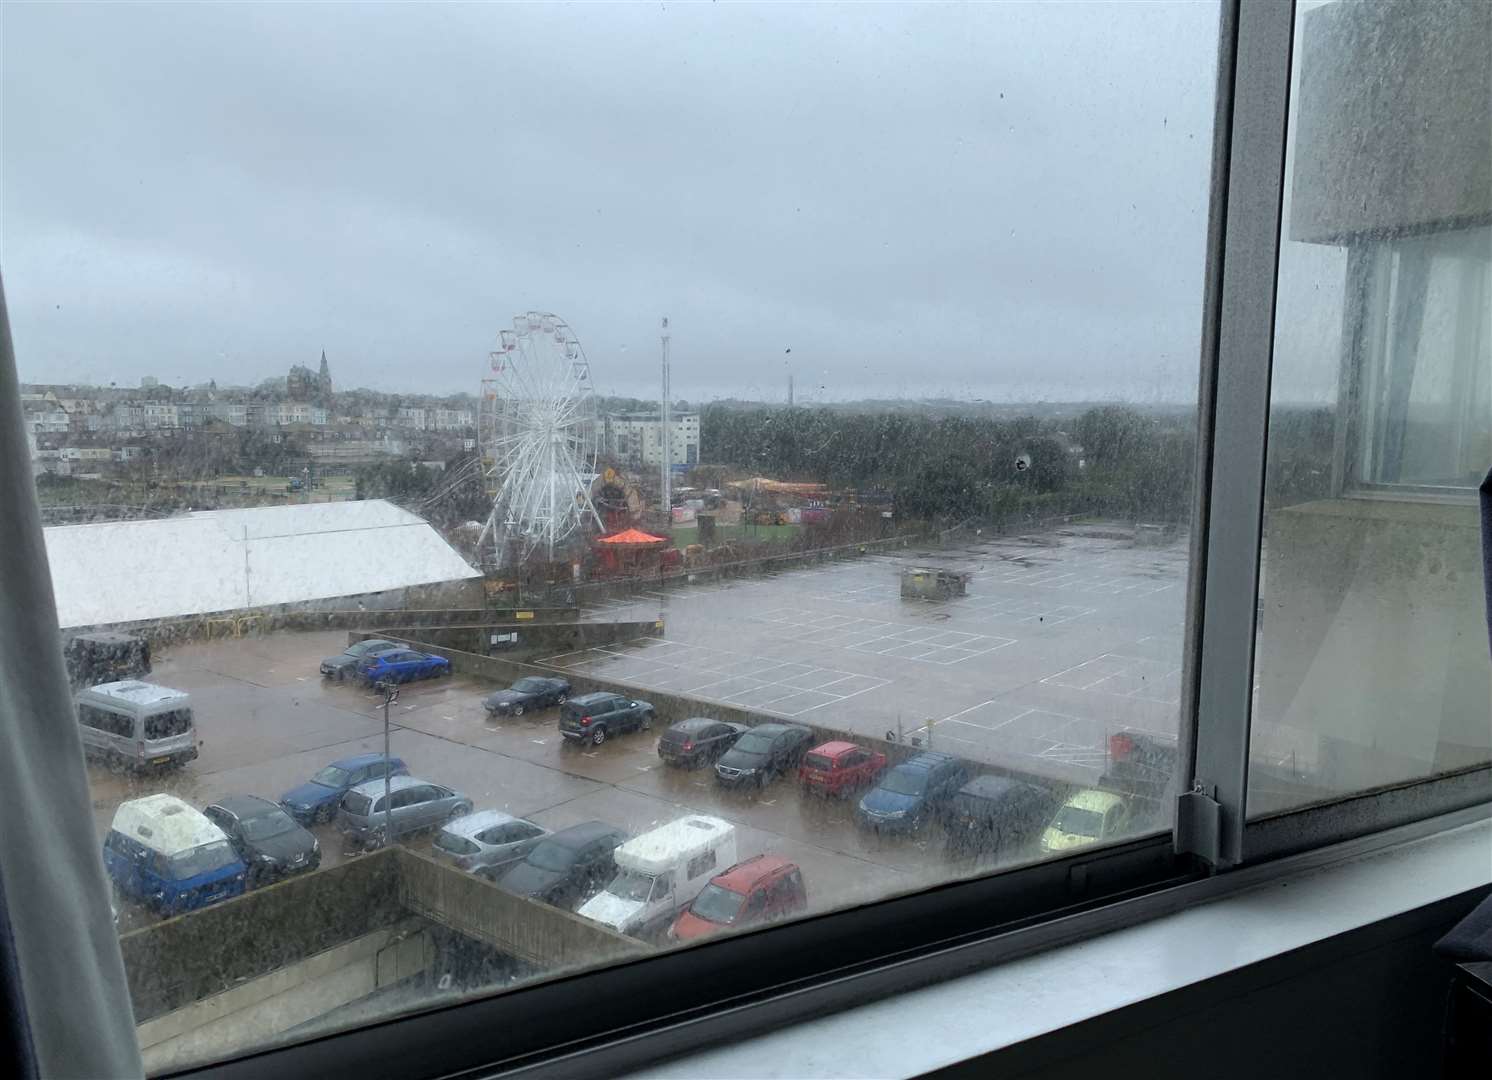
345	665
417	805
488	838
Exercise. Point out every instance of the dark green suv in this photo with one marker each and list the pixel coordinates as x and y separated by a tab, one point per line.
594	718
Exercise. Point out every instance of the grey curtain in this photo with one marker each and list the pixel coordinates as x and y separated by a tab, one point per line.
66	1000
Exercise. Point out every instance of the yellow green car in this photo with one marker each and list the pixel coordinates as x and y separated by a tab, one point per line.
1088	817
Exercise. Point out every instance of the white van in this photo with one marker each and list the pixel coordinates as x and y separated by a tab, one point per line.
136	724
171	857
660	872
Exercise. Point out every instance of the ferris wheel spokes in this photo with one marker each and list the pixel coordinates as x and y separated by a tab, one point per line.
537	438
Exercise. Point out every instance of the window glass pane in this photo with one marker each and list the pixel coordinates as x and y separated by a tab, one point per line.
933	283
1373	662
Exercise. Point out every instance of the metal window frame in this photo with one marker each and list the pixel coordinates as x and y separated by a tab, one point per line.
1237	349
1245	233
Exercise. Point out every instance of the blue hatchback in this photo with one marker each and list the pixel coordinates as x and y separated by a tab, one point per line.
318	798
912	792
402	665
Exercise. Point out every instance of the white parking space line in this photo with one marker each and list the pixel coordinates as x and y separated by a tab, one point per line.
885	638
1123	676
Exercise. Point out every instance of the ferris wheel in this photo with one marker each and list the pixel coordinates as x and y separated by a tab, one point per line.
536	439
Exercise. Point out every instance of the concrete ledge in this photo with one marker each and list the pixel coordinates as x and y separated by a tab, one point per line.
552	939
257	1009
546	638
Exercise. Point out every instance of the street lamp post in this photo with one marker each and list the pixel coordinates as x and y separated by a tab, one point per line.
390	693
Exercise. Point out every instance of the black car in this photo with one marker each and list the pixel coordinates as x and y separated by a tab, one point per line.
593	718
532	692
991	816
266	838
763	753
912	793
566	867
698	741
345	665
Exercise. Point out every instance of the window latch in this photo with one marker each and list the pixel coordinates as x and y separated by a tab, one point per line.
1199	824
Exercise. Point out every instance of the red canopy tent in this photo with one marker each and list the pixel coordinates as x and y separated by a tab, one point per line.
631	538
631	551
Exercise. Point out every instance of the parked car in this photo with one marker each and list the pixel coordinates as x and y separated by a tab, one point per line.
1088	817
567	867
594	718
529	693
267	839
136	725
698	741
994	815
762	754
169	856
487	839
363	818
910	794
660	872
345	664
318	798
401	665
834	768
759	889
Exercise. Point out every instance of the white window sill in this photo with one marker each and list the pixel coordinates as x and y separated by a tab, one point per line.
912	1033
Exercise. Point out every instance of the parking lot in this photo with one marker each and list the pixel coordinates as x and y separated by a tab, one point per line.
1065	637
1062	640
267	721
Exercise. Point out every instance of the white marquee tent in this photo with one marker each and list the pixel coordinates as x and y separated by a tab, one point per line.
229	560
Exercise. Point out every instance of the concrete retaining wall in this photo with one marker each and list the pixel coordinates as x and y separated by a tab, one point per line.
287	940
545	936
254	1012
193	956
534	638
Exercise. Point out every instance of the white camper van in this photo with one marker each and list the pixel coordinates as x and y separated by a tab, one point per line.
662	871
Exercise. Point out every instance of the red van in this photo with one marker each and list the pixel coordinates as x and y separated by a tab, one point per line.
837	767
759	889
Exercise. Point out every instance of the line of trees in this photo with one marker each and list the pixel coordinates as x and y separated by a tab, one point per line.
1110	459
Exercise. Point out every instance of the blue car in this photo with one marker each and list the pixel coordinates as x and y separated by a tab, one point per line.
401	665
318	798
170	857
911	793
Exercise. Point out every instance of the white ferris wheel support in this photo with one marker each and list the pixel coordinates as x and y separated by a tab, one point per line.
536	434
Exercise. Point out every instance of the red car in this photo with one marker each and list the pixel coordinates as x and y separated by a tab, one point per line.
837	767
761	888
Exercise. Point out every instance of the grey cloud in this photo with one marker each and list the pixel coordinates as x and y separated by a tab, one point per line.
993	200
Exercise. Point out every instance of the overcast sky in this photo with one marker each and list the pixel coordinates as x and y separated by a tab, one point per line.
997	201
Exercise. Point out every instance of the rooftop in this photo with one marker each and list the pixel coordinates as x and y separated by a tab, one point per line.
230	560
136	692
686	836
165	823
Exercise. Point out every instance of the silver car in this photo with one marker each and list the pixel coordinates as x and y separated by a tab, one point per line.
417	804
488	838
